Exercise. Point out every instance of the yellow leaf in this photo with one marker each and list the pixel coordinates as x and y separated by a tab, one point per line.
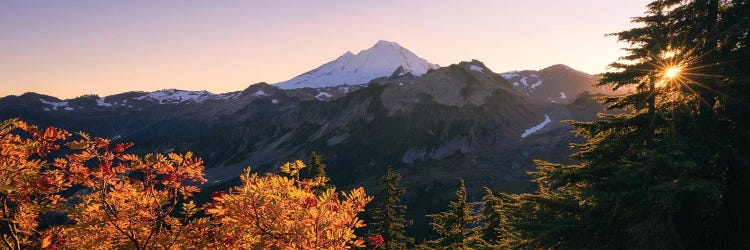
46	241
285	168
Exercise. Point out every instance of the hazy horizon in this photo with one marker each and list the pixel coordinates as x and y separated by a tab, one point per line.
90	47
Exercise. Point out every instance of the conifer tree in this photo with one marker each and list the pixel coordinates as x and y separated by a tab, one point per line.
317	167
492	219
388	216
665	173
459	227
733	132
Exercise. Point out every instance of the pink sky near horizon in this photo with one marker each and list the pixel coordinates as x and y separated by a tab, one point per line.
104	47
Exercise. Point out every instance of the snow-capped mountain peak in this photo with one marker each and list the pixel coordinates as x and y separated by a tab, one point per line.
353	69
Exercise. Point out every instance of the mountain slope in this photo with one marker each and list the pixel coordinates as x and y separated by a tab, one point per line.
155	119
458	114
556	83
463	112
355	69
460	121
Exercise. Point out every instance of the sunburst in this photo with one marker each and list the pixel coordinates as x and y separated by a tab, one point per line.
678	69
672	72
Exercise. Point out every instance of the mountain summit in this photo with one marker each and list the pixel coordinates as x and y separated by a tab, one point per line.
354	69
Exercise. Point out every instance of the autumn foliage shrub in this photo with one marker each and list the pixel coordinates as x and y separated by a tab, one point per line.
279	212
110	199
114	199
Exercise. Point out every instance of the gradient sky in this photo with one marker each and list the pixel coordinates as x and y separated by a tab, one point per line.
71	48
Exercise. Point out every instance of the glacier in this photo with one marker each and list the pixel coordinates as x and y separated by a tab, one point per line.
355	69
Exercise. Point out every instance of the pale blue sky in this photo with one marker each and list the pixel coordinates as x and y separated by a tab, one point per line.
71	48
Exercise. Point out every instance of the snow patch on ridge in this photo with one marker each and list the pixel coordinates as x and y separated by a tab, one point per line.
323	95
536	84
173	96
55	105
230	95
536	128
100	102
510	75
476	68
523	80
176	96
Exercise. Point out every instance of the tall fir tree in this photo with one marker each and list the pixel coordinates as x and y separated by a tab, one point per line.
459	227
492	218
733	55
666	172
388	216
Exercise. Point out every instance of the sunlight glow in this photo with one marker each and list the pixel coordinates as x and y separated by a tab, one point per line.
679	75
661	84
669	74
672	72
668	54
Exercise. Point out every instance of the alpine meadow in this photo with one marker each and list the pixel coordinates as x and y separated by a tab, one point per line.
103	145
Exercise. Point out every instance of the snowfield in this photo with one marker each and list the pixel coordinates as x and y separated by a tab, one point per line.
538	127
100	102
55	105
